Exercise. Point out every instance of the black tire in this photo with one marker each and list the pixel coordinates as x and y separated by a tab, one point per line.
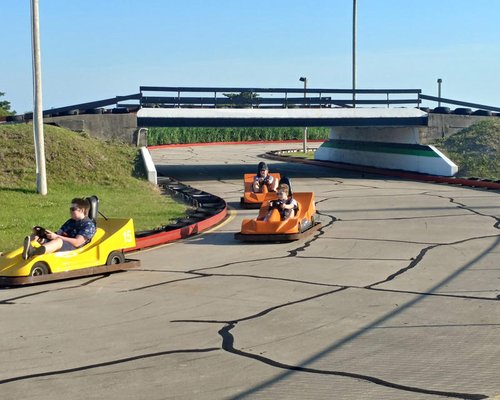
115	257
68	113
39	268
91	111
462	111
119	110
441	110
483	113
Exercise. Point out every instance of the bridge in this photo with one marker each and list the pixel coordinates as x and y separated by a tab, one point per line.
368	127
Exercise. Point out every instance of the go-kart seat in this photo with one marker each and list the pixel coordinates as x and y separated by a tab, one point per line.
93	210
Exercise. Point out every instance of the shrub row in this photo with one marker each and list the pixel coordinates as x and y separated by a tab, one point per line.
157	136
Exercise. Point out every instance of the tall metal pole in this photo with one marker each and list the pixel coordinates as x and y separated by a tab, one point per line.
41	178
354	53
304	145
439	81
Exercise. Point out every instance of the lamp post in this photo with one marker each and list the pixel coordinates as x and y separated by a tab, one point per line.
304	79
354	53
41	178
439	81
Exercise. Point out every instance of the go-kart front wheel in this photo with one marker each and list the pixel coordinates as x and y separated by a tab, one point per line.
38	269
115	257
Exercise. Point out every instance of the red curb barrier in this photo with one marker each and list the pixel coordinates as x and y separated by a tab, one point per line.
176	234
390	172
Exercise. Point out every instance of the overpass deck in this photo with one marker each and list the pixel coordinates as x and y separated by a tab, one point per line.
225	117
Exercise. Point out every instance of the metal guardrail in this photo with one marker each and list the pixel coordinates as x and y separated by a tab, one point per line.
319	97
217	97
459	103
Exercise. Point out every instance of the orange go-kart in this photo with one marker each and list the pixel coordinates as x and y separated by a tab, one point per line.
251	199
303	223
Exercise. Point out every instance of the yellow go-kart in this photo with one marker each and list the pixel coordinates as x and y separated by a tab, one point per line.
103	254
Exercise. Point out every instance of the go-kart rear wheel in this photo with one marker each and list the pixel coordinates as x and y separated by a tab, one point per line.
115	257
38	269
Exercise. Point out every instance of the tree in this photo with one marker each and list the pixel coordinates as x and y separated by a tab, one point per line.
5	107
242	100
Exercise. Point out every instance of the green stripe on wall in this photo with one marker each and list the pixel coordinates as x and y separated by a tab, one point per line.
382	147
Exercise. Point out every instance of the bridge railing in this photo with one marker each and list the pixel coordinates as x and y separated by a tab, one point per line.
243	97
459	103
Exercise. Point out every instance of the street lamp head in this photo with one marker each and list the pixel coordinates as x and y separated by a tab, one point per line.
439	80
303	79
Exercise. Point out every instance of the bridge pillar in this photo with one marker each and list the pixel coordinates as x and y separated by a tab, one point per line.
385	147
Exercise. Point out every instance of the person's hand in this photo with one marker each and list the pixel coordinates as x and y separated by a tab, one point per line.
51	235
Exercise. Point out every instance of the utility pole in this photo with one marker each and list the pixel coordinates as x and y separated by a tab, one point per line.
41	177
354	53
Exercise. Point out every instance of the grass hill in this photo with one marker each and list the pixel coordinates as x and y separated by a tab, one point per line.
77	166
476	150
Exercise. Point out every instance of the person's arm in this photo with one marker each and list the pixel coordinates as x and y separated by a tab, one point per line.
274	185
256	184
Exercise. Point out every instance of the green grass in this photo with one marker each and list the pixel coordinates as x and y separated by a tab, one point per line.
309	154
158	136
77	166
476	150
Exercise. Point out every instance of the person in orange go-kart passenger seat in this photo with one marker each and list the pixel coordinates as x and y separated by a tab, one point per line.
263	181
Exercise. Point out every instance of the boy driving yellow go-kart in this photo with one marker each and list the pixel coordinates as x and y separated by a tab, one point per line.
48	256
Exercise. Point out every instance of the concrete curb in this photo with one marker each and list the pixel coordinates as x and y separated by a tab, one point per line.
149	165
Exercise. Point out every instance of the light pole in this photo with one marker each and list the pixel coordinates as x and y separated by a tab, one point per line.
439	81
41	178
354	53
304	79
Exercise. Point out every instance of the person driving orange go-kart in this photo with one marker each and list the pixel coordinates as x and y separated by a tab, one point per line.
288	216
285	205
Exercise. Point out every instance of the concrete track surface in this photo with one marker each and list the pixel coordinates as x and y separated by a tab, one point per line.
394	298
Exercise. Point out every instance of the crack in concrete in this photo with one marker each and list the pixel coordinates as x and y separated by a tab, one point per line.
403	218
465	207
421	255
105	364
228	345
11	300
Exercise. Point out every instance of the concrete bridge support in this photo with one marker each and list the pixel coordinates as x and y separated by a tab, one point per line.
385	147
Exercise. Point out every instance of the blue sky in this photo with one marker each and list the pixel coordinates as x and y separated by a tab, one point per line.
93	49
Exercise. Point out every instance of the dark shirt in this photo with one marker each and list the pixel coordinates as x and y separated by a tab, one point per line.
84	227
